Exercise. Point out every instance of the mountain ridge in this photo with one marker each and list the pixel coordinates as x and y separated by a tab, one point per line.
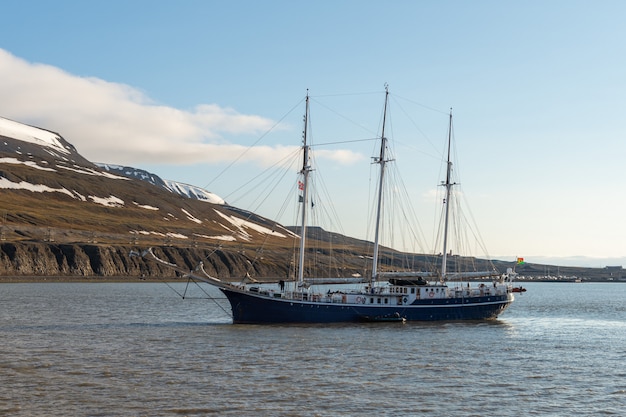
185	190
54	197
47	183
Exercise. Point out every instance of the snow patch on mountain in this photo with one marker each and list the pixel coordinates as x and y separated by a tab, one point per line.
146	233
193	192
35	188
229	238
31	164
145	206
74	168
241	224
130	172
89	171
31	134
191	217
110	201
177	235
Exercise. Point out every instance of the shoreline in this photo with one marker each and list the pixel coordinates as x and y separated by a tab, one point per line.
34	279
81	279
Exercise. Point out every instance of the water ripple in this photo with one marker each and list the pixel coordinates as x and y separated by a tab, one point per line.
122	349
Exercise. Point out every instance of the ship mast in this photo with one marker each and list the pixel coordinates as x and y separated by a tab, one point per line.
448	184
382	161
306	169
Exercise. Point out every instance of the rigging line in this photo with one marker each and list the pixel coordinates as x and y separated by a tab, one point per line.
173	289
413	229
325	194
421	105
184	297
474	227
186	287
430	142
259	252
267	195
346	94
264	172
283	208
214	299
324	212
342	142
254	144
344	117
189	277
251	213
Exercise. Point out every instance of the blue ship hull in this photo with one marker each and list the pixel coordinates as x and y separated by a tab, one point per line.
250	308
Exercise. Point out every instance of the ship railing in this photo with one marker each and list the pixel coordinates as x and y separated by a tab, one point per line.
483	290
306	296
333	297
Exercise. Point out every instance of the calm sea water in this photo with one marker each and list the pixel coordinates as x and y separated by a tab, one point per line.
139	350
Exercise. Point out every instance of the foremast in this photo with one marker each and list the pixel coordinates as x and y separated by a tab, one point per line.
304	185
382	161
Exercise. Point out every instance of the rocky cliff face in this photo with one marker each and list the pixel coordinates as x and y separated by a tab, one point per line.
20	259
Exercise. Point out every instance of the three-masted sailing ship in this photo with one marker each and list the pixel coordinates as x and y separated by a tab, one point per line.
397	296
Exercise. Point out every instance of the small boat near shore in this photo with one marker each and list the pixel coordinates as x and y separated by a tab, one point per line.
519	289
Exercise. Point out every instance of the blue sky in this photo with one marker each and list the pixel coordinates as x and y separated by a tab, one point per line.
182	88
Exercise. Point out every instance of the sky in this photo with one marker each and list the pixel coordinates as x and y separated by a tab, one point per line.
188	89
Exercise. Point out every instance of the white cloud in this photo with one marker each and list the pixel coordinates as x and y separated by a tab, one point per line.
112	122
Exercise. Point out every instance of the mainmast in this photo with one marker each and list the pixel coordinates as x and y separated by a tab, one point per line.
382	161
448	184
306	169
